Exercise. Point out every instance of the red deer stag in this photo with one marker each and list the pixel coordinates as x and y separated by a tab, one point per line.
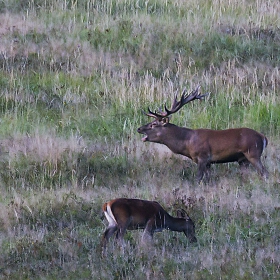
205	146
133	214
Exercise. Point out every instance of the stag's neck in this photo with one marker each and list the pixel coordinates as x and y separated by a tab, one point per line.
176	139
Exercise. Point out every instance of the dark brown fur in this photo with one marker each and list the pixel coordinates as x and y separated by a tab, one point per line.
132	214
205	146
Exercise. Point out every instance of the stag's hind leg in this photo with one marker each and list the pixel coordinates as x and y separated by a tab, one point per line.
259	166
255	160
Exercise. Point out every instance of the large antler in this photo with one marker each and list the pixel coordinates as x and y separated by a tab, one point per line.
177	105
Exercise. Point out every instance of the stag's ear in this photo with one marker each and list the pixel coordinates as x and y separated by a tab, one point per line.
182	214
165	120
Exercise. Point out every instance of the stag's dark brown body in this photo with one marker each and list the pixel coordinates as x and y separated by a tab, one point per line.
206	146
132	214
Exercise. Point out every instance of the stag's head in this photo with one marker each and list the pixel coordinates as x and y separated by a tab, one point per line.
155	131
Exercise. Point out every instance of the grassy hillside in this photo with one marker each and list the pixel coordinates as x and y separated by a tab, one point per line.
75	78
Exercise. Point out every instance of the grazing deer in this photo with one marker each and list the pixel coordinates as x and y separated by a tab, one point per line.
133	214
205	146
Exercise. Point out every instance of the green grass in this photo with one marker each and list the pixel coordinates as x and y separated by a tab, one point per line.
75	78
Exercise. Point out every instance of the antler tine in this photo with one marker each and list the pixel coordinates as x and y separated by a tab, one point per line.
192	96
154	114
177	105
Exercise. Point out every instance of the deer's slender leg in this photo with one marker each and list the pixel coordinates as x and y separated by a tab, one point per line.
107	234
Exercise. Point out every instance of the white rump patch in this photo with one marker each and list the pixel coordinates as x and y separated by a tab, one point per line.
110	217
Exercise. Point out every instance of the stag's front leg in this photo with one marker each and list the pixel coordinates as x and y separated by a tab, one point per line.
207	172
202	168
